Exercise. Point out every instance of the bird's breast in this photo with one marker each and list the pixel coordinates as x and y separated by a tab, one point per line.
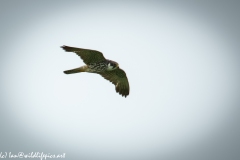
97	67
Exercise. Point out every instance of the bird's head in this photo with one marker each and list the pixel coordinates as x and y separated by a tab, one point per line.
112	65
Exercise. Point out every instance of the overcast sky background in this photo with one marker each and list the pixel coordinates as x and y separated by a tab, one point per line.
181	59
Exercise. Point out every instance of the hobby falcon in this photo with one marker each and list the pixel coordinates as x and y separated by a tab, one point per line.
96	63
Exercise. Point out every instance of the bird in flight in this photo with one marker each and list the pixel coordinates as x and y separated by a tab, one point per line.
96	63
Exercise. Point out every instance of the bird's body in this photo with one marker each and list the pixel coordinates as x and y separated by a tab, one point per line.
106	65
96	63
98	67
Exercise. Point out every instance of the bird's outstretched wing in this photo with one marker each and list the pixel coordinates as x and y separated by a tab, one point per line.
119	78
88	56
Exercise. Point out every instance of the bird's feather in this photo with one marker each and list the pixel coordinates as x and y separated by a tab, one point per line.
87	55
119	78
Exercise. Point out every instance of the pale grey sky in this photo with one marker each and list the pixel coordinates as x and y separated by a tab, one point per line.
181	59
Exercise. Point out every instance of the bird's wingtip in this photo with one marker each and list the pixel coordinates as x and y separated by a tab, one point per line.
66	48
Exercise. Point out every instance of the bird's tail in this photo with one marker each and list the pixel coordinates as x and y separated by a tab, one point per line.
76	70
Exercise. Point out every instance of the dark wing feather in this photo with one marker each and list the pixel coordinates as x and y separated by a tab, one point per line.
88	56
119	78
